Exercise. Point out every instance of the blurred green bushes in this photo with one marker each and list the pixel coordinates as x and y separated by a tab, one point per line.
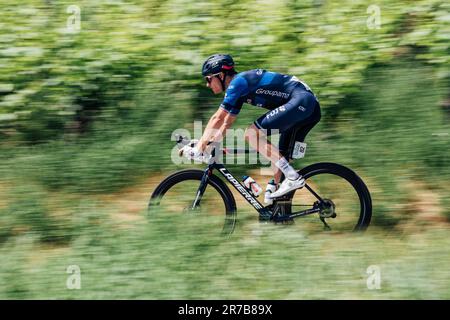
28	213
89	111
55	81
92	110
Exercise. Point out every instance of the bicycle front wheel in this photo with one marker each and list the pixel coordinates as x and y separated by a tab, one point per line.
341	196
174	197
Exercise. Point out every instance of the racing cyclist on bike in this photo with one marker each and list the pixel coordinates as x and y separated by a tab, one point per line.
293	111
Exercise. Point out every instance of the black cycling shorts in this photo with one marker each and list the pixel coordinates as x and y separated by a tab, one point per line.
293	120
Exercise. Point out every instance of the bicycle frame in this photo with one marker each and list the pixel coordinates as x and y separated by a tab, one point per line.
233	181
262	210
281	205
281	208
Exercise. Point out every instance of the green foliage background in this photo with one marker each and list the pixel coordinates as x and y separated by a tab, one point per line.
90	112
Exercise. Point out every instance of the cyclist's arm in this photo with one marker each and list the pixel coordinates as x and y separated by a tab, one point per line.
225	116
216	127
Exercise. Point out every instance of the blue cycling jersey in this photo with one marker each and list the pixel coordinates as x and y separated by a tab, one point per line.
260	88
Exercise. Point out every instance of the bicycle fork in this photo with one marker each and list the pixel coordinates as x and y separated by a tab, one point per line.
202	187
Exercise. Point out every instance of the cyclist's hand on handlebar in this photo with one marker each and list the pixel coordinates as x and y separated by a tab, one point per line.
186	143
190	150
192	153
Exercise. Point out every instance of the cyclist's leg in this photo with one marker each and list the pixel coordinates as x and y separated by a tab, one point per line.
257	139
284	146
302	105
287	142
298	133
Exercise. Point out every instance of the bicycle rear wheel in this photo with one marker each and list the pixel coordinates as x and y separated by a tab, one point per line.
340	194
174	196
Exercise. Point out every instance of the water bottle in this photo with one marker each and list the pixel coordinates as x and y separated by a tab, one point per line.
271	187
251	185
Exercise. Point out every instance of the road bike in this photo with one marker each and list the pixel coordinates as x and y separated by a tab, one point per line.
332	192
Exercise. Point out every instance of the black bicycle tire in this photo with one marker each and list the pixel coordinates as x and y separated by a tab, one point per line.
214	181
349	175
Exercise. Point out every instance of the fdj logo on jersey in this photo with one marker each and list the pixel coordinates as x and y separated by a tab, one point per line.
276	111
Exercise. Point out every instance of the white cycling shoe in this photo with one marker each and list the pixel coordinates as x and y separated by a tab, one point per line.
288	185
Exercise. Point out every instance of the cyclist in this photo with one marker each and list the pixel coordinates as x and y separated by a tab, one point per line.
293	111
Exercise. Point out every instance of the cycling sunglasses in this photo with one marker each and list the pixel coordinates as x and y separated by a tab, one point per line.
209	78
